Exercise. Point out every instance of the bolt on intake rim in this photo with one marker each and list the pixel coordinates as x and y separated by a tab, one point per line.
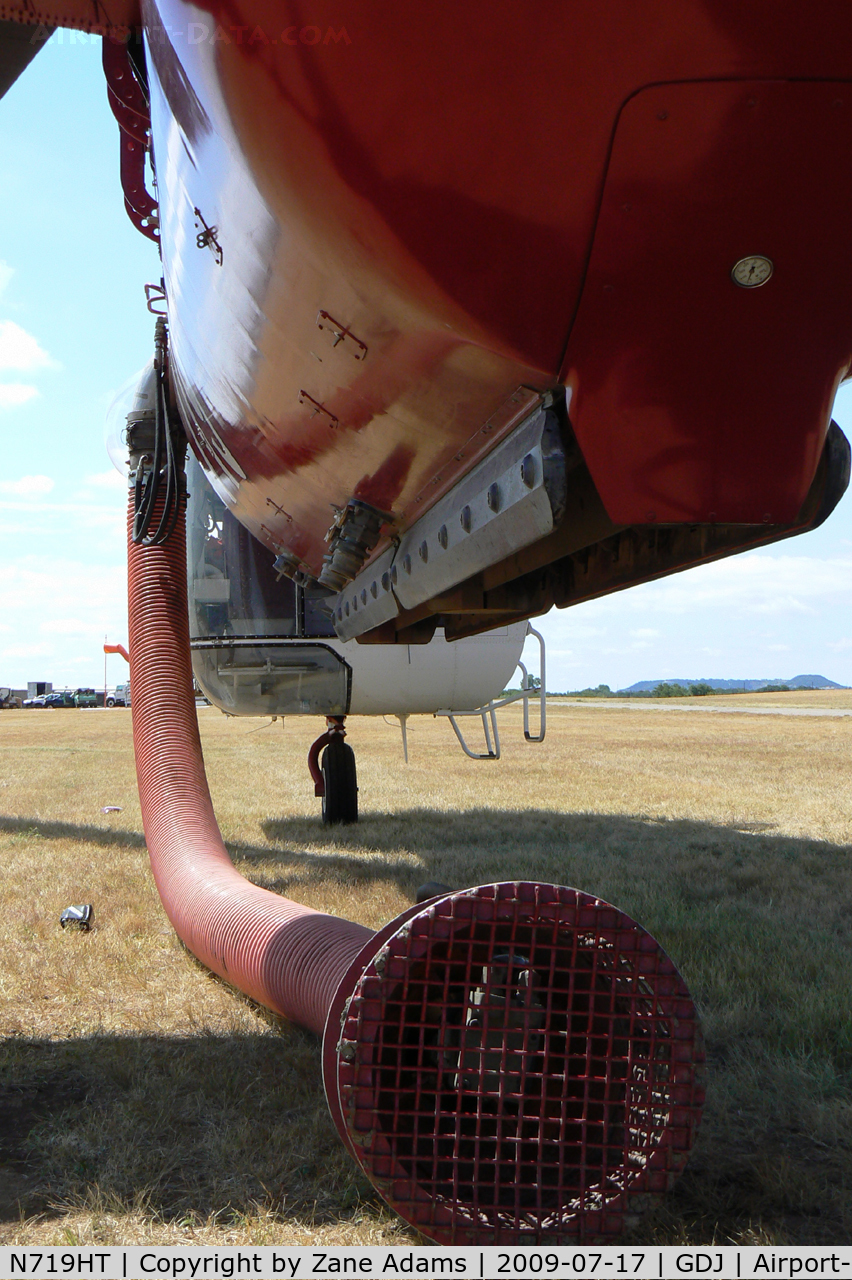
517	1064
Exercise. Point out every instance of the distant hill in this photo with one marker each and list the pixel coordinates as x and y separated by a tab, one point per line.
797	682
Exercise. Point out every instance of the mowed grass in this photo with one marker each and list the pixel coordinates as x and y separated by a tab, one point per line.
142	1100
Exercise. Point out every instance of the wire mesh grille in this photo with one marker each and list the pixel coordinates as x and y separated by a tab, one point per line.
519	1064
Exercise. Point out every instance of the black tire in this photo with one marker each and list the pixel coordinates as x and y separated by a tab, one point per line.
110	702
340	802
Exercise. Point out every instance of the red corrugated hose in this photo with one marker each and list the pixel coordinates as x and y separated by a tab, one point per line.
517	1063
286	956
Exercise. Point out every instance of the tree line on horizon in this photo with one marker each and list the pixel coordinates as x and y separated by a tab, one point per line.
664	689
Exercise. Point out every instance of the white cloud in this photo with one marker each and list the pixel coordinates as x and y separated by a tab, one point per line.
645	633
572	629
58	612
109	480
71	627
32	578
19	350
32	517
27	486
27	651
14	393
747	584
783	604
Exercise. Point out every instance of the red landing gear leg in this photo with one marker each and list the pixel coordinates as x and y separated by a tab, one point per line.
335	778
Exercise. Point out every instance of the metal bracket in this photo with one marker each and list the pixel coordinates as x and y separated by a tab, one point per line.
341	333
280	510
304	398
488	713
207	239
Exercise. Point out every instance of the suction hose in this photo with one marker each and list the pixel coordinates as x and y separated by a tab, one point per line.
283	955
517	1063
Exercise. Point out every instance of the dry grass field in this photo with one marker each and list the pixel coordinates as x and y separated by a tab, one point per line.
145	1101
821	700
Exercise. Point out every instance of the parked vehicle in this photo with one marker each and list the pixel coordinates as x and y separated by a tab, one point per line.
119	696
85	698
8	700
59	699
33	704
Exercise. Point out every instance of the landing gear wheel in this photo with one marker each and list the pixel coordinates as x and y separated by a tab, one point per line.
340	802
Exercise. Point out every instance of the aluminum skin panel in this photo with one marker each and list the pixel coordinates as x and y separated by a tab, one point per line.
502	506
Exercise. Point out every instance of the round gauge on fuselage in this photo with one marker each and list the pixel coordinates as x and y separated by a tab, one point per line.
750	272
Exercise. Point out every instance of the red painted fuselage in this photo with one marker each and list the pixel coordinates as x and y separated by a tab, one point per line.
386	228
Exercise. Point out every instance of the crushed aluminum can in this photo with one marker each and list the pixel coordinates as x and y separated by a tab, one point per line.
111	808
78	917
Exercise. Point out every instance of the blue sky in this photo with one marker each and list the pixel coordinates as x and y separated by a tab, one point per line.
74	327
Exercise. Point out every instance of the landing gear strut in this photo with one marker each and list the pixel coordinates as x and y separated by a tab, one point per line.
335	779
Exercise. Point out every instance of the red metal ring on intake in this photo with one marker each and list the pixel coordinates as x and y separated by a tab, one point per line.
515	1064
